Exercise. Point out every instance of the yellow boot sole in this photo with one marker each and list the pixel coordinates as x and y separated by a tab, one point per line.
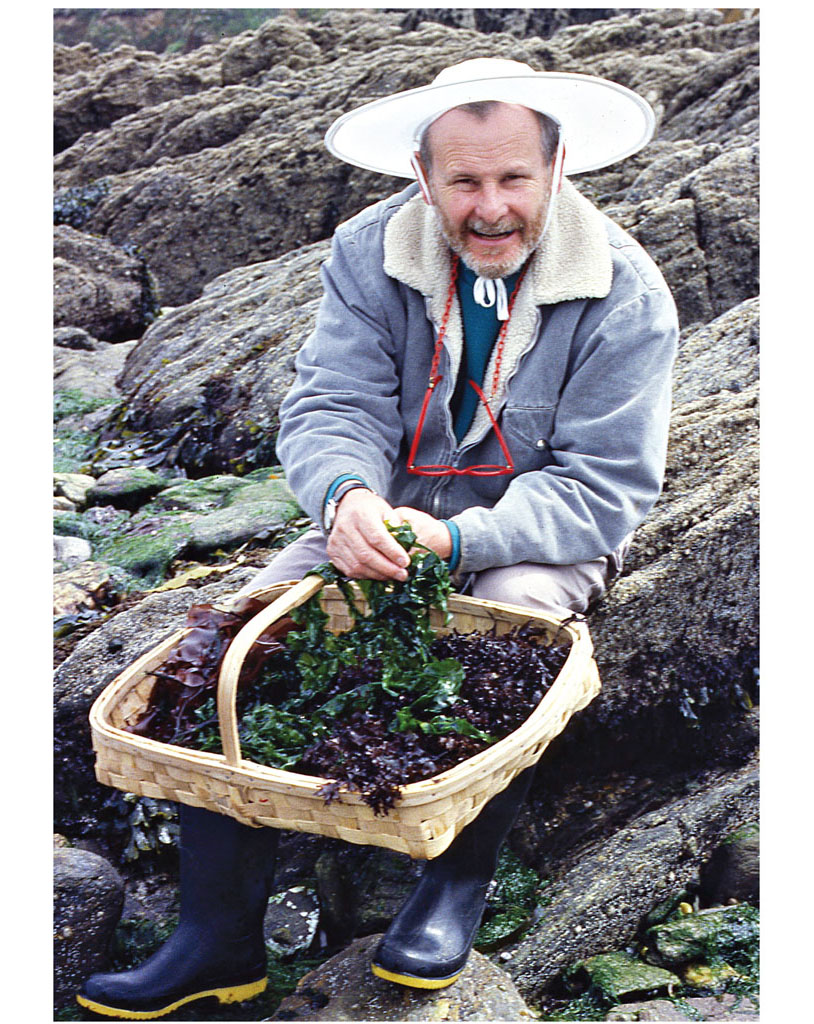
412	981
227	994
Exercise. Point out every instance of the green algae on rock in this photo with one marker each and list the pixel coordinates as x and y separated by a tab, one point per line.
510	905
126	488
718	932
619	975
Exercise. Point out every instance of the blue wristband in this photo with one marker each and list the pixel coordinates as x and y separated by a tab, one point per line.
455	534
338	482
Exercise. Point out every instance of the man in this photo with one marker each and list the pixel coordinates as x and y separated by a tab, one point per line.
491	362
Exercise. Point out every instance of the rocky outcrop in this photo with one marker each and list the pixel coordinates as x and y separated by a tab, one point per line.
88	900
521	22
99	288
345	989
232	170
681	627
93	90
599	902
221	365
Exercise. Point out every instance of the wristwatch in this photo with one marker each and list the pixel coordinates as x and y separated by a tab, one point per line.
332	503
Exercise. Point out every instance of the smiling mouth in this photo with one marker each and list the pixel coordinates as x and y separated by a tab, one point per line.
492	235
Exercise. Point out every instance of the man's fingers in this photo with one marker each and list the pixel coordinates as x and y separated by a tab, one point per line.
359	560
360	544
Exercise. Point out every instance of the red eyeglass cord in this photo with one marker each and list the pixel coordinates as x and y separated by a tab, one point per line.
436	378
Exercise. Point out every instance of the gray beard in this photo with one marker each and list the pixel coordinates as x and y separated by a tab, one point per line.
495	270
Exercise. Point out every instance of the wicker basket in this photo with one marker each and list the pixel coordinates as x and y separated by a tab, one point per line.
427	816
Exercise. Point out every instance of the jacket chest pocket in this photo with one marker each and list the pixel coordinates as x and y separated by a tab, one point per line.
528	432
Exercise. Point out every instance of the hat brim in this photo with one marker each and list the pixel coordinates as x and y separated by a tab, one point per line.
601	122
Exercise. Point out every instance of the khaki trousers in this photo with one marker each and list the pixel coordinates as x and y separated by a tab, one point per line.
557	590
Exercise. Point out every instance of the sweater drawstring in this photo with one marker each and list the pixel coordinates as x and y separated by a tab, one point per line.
487	290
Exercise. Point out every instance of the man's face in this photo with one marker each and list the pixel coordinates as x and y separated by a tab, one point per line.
491	186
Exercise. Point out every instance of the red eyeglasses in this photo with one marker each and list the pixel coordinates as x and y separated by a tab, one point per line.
484	469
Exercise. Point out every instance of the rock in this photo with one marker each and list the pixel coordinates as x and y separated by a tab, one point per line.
724	1007
719	931
597	902
215	371
147	544
194	519
733	870
619	976
198	495
74	486
125	488
92	90
250	513
85	587
88	899
99	287
90	374
344	988
676	637
278	41
291	920
521	22
75	338
71	550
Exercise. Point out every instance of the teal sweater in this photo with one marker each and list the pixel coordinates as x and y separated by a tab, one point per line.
481	328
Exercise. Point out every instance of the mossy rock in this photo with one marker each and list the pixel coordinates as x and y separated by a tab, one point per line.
126	488
147	551
201	495
619	976
274	491
253	511
719	932
72	524
72	402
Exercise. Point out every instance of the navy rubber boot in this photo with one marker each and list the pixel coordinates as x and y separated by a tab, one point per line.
429	940
217	950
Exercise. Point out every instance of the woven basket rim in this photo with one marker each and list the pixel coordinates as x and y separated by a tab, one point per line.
448	782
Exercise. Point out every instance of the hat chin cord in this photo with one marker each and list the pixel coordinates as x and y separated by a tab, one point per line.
556	182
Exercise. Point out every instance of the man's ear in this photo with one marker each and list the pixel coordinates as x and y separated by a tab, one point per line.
421	177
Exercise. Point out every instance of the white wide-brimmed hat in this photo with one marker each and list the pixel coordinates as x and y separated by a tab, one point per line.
601	122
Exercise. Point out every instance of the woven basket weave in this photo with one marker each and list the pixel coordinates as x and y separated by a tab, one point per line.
428	814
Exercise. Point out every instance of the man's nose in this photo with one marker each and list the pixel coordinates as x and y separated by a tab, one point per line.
491	202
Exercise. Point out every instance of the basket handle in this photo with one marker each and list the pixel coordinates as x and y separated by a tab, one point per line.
236	654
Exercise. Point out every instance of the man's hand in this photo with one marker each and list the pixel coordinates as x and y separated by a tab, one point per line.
360	545
429	531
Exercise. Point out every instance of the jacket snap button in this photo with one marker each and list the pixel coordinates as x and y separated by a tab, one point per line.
541	443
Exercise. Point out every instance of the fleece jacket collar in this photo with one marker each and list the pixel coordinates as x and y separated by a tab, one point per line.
572	262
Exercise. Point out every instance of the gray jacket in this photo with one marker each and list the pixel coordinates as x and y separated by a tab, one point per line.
583	398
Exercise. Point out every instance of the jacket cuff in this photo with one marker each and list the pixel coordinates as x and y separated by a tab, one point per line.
455	534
